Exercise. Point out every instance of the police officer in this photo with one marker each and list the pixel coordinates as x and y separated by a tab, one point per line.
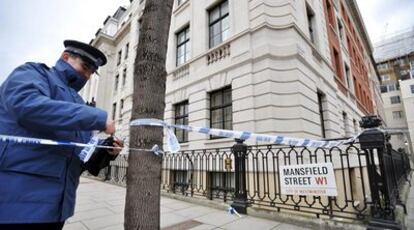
38	182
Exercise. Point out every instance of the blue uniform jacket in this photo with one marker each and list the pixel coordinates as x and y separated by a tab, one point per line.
38	182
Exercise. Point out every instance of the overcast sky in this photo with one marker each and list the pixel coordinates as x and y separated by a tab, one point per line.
33	30
385	17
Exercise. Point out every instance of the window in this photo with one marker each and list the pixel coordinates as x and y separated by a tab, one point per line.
385	77
355	86
391	87
221	109
119	57
121	107
395	100
384	89
126	50
412	89
311	22
321	98
340	29
183	46
124	73
346	124
218	24
399	62
181	118
397	115
337	63
348	78
355	126
330	13
116	83
222	181
383	66
180	180
113	111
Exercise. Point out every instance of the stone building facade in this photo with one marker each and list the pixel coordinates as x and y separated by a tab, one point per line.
296	68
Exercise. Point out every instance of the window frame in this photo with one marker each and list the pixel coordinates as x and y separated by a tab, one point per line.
121	107
220	19
186	44
184	137
321	96
126	51
124	76
116	83
222	181
310	15
222	107
399	116
119	57
397	101
114	110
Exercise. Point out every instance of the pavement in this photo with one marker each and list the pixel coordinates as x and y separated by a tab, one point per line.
100	205
409	218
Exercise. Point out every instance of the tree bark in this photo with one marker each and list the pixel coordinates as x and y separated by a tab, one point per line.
142	206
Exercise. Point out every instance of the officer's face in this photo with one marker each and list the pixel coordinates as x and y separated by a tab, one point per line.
80	66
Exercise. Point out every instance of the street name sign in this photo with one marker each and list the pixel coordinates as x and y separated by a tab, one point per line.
308	179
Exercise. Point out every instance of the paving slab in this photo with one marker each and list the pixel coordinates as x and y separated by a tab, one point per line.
169	219
105	221
195	211
75	226
217	218
288	226
248	223
90	214
204	227
101	206
177	205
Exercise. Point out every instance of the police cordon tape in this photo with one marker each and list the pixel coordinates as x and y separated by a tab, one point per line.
85	153
174	146
243	135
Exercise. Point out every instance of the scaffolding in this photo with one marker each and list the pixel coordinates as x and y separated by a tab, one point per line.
394	46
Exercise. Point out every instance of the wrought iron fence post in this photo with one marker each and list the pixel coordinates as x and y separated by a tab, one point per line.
375	143
240	194
108	173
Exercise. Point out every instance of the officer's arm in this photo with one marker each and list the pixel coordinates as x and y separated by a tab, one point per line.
27	97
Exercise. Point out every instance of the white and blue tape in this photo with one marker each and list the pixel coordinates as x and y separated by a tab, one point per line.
172	142
86	152
232	211
279	140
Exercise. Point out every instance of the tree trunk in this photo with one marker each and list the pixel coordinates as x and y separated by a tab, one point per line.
142	207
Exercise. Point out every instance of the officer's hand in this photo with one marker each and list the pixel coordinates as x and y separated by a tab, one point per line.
110	126
117	143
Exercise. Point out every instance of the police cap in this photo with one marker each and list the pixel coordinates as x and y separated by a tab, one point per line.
87	52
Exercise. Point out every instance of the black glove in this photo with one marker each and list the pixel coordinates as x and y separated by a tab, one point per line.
100	157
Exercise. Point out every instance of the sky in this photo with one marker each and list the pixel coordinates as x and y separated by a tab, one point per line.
34	30
382	18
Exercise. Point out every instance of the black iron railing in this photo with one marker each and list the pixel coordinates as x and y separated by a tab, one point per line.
369	175
253	177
